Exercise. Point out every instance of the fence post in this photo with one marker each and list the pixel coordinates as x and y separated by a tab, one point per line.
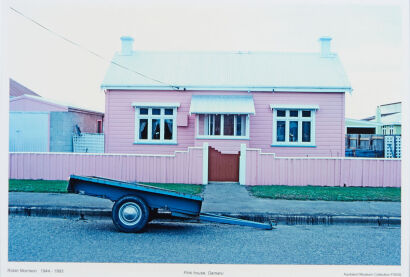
205	149
242	165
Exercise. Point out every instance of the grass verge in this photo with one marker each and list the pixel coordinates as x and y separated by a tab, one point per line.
38	185
61	186
326	193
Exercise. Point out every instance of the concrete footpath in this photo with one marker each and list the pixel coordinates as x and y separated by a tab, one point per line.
220	198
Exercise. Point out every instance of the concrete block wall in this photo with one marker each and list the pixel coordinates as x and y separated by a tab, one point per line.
62	128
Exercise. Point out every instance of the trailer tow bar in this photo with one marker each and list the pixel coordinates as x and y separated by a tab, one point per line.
234	221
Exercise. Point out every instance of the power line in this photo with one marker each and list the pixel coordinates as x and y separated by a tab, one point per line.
90	51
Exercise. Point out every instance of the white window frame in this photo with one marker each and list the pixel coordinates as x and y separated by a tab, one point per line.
161	117
287	118
221	135
388	129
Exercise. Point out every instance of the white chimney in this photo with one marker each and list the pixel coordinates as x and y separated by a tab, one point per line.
126	45
378	114
325	47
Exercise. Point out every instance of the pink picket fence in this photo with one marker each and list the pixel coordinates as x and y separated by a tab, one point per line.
266	169
183	167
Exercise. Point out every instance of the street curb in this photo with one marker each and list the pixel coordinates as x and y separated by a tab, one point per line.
286	219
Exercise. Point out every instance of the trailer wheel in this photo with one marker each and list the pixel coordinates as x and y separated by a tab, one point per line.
130	214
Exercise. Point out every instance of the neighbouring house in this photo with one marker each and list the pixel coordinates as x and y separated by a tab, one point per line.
389	116
376	136
38	124
17	89
290	104
386	121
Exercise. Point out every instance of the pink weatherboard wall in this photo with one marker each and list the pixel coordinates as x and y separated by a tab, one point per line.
119	122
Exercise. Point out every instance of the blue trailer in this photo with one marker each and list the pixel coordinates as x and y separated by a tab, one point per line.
136	204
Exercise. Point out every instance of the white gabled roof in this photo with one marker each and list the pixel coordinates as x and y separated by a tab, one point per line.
249	71
222	104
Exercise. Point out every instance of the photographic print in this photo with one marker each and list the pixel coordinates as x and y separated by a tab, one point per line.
205	138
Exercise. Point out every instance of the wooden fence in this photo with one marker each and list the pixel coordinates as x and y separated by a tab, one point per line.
191	167
183	167
266	169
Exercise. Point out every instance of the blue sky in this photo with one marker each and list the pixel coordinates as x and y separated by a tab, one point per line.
367	35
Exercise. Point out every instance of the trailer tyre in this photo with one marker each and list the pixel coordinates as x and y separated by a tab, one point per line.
130	214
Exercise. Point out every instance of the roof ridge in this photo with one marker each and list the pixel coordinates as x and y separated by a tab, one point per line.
240	52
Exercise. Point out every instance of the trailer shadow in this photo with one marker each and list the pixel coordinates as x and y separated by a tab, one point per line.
171	227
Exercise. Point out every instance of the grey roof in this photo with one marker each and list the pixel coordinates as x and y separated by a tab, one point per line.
227	70
17	89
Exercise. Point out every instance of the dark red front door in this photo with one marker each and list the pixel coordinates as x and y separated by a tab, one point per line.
223	167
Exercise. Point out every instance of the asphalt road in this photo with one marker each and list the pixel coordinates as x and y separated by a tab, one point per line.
39	239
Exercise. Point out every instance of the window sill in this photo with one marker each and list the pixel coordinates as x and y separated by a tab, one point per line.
222	137
293	145
155	143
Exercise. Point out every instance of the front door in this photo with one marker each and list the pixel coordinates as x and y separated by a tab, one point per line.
223	167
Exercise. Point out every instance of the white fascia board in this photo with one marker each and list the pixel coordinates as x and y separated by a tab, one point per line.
156	104
227	88
307	89
298	107
176	87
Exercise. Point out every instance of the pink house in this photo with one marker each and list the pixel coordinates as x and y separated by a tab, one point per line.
290	104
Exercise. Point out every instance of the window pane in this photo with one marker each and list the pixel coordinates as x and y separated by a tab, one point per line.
217	126
280	113
293	131
202	128
156	127
169	111
228	125
241	125
143	132
143	111
168	128
280	131
211	119
305	113
306	131
156	111
293	113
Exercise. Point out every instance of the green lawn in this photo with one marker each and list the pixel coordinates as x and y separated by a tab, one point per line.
61	186
38	185
326	193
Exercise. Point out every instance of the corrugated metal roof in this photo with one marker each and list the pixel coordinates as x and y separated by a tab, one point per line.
390	119
227	71
361	123
222	104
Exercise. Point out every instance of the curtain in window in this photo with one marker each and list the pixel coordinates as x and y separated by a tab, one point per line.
156	133
168	129
143	129
293	131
